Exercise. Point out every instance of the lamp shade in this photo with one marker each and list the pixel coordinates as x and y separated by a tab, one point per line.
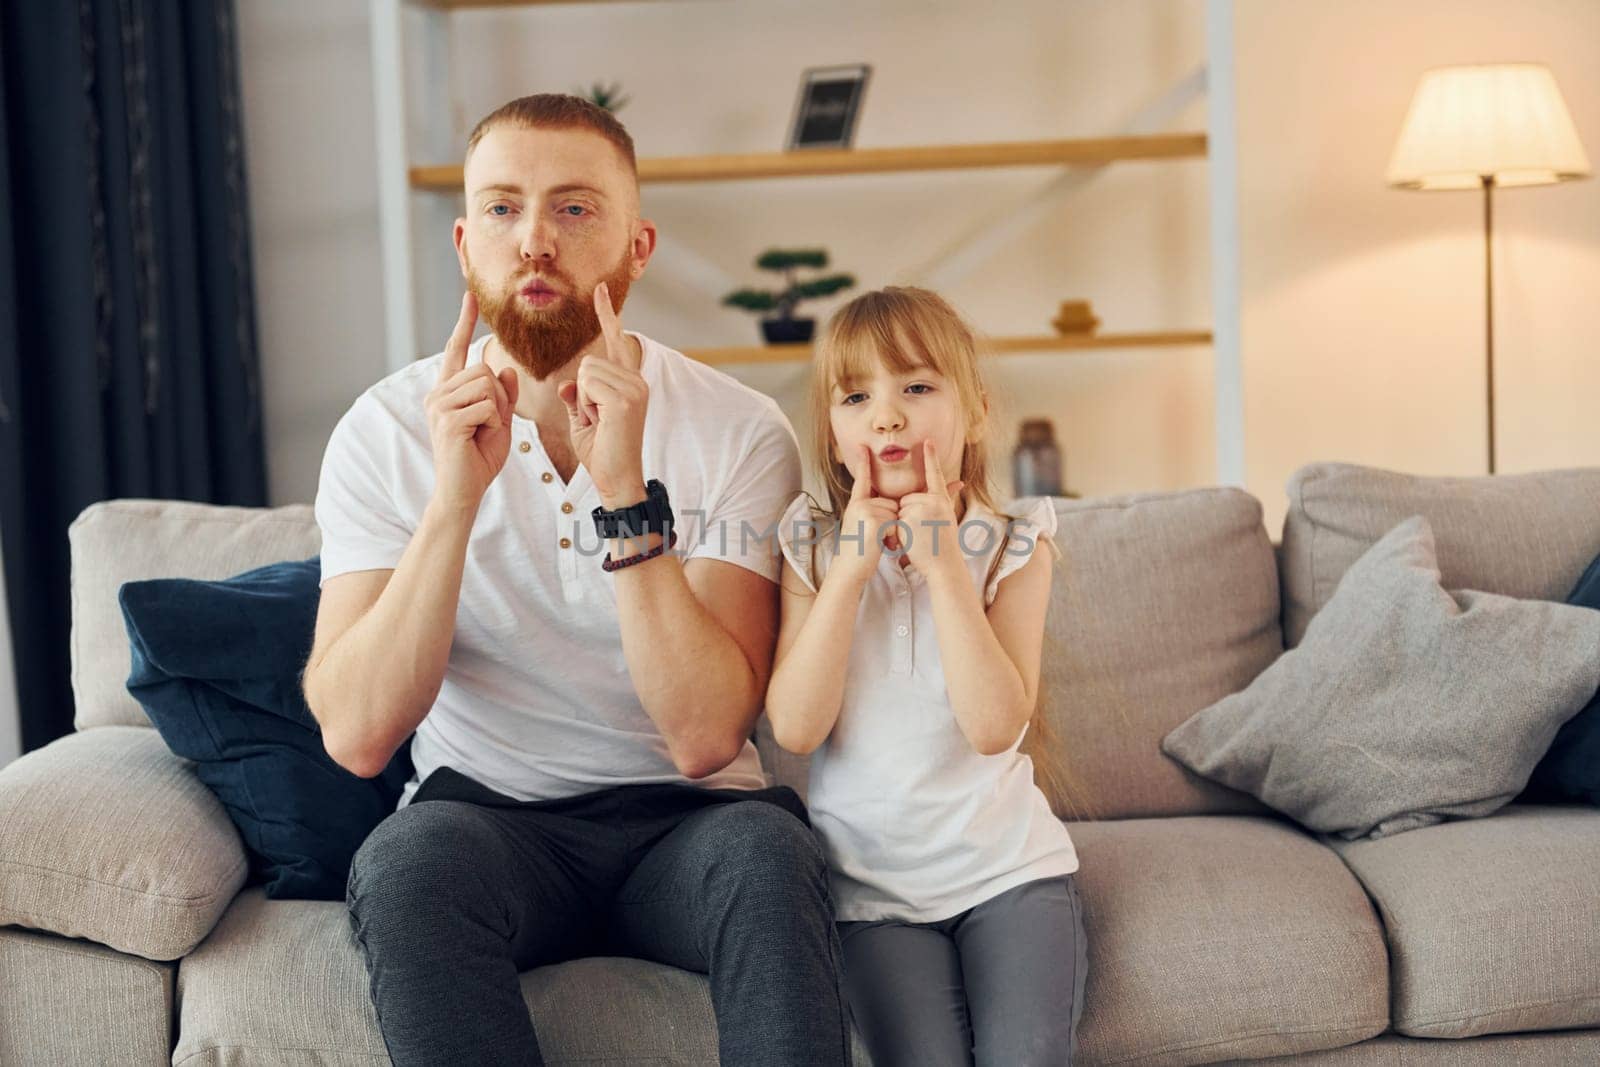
1505	121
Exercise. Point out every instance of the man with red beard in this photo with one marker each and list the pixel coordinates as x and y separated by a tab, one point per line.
585	781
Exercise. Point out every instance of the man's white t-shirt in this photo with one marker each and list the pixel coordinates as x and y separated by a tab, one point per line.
537	702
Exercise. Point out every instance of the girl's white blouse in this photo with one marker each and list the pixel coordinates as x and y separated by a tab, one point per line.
917	826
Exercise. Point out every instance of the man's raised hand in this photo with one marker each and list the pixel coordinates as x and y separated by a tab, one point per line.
469	419
606	406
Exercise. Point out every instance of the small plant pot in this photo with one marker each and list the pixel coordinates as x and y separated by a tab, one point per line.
787	331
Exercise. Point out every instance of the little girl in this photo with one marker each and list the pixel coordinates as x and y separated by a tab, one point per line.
908	666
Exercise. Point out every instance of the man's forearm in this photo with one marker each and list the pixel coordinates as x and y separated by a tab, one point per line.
378	681
691	676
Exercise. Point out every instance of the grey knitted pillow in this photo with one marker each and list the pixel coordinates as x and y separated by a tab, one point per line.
1404	704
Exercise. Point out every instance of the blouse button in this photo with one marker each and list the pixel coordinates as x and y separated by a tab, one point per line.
566	542
901	591
525	447
547	477
901	631
566	507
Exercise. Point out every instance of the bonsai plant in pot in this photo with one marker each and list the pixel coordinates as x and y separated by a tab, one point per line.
784	327
609	97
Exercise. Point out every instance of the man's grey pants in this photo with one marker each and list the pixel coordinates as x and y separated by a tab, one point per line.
1001	983
456	893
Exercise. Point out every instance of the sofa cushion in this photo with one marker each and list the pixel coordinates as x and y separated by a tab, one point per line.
1405	704
1493	924
71	1002
278	981
1572	1048
1213	937
216	666
1521	535
117	541
106	835
282	982
1570	770
1162	604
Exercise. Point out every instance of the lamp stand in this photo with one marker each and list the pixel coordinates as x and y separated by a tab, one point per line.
1488	301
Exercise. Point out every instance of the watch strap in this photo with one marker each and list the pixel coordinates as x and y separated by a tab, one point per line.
653	514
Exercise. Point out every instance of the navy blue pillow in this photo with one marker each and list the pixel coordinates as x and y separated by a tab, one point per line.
217	667
1570	769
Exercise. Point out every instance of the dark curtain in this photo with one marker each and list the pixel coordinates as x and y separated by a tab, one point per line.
128	362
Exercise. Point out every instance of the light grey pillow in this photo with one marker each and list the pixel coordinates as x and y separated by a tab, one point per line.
1404	704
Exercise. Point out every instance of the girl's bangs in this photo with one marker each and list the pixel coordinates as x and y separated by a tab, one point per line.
862	337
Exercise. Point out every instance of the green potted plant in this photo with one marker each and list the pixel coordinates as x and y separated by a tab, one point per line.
609	97
784	328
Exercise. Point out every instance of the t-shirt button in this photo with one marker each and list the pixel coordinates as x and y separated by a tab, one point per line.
566	542
566	507
901	631
547	477
525	447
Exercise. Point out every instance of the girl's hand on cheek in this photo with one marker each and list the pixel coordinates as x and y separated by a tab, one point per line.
931	514
866	520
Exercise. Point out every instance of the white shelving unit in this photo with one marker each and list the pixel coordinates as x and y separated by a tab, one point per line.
419	171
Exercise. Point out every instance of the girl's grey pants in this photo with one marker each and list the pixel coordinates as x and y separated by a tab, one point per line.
1000	984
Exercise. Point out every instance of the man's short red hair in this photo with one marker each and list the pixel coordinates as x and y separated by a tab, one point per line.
558	111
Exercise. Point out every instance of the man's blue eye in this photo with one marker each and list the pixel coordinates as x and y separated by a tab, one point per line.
499	209
570	208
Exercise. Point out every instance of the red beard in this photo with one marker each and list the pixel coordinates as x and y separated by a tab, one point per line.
543	340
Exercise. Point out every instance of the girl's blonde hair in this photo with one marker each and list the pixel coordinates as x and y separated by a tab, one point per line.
905	327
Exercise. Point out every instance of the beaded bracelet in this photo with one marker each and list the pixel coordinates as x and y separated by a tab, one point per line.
608	564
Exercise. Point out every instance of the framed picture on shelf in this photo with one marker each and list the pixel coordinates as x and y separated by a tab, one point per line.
830	99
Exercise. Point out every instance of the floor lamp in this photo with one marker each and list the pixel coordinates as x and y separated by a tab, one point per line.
1483	127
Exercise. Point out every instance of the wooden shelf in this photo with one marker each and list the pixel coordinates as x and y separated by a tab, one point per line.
996	345
823	161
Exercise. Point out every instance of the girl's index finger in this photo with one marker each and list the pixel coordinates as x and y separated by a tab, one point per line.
932	470
618	350
859	464
455	349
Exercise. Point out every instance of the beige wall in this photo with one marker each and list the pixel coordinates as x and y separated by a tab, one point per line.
306	72
1363	306
718	76
1362	327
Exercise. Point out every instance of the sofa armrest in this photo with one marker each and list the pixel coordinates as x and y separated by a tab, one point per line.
106	835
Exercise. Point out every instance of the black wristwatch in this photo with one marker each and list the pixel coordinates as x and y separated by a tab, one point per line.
653	514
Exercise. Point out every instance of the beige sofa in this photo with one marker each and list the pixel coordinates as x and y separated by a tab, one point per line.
1218	932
